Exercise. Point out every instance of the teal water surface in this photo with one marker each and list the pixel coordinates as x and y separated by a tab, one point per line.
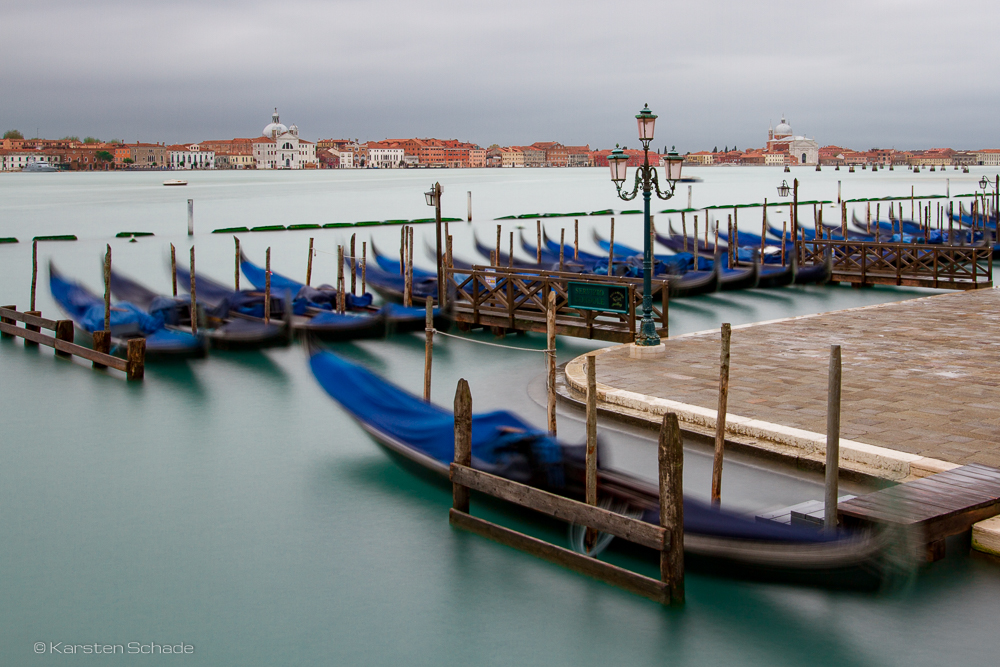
229	504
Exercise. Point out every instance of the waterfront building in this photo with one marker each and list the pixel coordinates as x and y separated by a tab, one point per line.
966	158
148	155
701	157
511	156
989	157
190	156
938	157
773	159
85	158
477	157
802	149
15	160
234	161
345	158
279	147
385	155
635	158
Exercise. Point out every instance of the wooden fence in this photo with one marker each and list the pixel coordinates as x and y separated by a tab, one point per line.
516	298
912	264
62	342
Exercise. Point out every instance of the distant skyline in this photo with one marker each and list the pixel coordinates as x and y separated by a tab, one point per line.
886	73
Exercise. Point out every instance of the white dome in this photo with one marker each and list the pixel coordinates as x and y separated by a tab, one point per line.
783	129
274	128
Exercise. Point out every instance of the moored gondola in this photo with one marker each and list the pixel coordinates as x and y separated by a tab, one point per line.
715	540
86	309
224	331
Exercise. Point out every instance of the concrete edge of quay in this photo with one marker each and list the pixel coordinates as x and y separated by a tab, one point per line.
770	440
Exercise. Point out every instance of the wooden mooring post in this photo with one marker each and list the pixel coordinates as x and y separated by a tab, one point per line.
666	538
832	439
428	347
107	289
720	419
354	266
173	266
550	359
364	267
34	270
309	264
576	240
236	271
538	242
194	298
611	250
590	458
267	286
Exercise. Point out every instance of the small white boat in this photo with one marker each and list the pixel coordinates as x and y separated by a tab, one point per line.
175	181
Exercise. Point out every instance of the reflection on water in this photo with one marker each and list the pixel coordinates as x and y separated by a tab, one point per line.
230	504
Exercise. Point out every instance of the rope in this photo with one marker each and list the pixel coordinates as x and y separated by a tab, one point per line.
483	342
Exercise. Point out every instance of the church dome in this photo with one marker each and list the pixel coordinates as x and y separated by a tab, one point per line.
274	128
783	129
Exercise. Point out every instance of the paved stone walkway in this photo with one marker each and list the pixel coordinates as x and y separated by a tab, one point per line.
920	376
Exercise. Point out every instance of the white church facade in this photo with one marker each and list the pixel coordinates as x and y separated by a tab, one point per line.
802	150
279	147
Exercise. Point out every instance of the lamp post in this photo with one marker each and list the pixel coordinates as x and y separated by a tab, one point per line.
433	197
646	178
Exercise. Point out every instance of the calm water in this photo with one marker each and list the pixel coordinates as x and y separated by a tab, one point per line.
229	504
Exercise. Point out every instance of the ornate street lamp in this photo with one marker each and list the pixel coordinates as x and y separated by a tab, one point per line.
433	198
646	178
783	189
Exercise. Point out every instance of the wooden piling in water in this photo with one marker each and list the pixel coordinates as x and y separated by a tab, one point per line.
763	230
729	245
354	266
364	267
562	247
64	332
868	219
309	263
538	242
32	327
684	232
194	298
428	346
448	257
784	235
463	442
267	286
34	270
409	266
611	251
671	478
107	289
173	266
843	220
510	253
102	343
236	274
341	296
720	419
402	251
135	353
497	258
591	451
695	242
550	358
576	240
832	438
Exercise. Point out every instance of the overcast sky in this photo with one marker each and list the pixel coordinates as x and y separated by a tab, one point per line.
888	73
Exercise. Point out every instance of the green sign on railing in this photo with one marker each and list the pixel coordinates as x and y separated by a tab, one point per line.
595	296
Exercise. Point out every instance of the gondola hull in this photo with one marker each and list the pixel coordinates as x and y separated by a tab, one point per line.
716	541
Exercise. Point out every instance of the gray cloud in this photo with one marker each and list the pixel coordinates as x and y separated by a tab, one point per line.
887	73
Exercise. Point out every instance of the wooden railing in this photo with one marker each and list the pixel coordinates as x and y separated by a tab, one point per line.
514	298
919	265
62	342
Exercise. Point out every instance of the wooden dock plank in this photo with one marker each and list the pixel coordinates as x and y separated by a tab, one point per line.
942	505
